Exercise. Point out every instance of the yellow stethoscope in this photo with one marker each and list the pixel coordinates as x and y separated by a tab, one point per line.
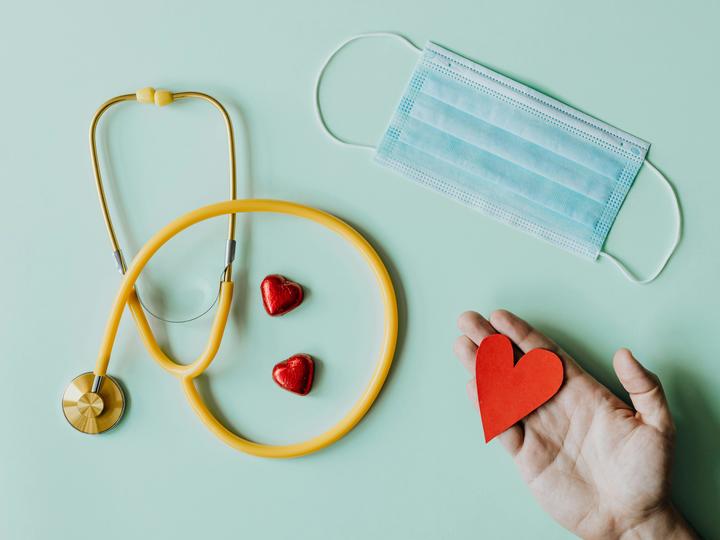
94	402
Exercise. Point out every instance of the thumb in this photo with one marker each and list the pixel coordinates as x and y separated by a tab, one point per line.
646	392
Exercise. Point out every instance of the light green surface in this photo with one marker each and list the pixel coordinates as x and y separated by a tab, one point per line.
416	467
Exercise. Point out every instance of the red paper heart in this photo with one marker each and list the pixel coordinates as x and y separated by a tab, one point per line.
508	392
280	295
295	374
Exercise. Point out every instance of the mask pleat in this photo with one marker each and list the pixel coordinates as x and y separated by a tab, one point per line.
479	191
508	146
524	124
497	171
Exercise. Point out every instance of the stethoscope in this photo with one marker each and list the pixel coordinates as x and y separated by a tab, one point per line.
94	402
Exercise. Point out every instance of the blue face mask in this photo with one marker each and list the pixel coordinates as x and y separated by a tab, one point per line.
511	152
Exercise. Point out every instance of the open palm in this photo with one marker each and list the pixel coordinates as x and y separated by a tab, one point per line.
599	467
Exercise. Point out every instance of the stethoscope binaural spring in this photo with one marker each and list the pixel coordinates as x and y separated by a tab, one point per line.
162	98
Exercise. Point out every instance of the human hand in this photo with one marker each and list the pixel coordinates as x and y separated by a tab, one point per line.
599	467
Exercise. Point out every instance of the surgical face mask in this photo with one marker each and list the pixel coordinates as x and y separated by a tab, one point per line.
511	152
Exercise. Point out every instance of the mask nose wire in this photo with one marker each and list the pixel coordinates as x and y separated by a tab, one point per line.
318	108
676	240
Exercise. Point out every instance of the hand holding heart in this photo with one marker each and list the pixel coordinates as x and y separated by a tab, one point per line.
598	466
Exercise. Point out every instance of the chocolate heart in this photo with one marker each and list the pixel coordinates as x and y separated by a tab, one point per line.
280	295
508	392
295	374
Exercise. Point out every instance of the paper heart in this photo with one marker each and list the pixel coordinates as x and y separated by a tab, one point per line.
295	374
280	295
508	392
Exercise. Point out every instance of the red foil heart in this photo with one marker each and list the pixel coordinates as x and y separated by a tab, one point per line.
280	295
295	374
508	392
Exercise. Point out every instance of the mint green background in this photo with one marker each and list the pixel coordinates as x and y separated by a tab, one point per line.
416	467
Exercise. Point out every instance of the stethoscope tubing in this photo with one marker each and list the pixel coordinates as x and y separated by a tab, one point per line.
187	373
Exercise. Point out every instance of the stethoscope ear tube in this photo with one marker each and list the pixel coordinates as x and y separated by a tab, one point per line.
161	98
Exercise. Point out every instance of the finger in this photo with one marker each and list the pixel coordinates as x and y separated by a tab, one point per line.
465	350
646	392
511	438
475	326
527	338
520	332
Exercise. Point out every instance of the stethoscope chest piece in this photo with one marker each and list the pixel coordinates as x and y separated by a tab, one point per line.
93	410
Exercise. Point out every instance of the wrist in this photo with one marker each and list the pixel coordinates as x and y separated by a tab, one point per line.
666	523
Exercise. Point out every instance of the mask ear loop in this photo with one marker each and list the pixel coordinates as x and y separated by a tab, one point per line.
678	233
321	73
